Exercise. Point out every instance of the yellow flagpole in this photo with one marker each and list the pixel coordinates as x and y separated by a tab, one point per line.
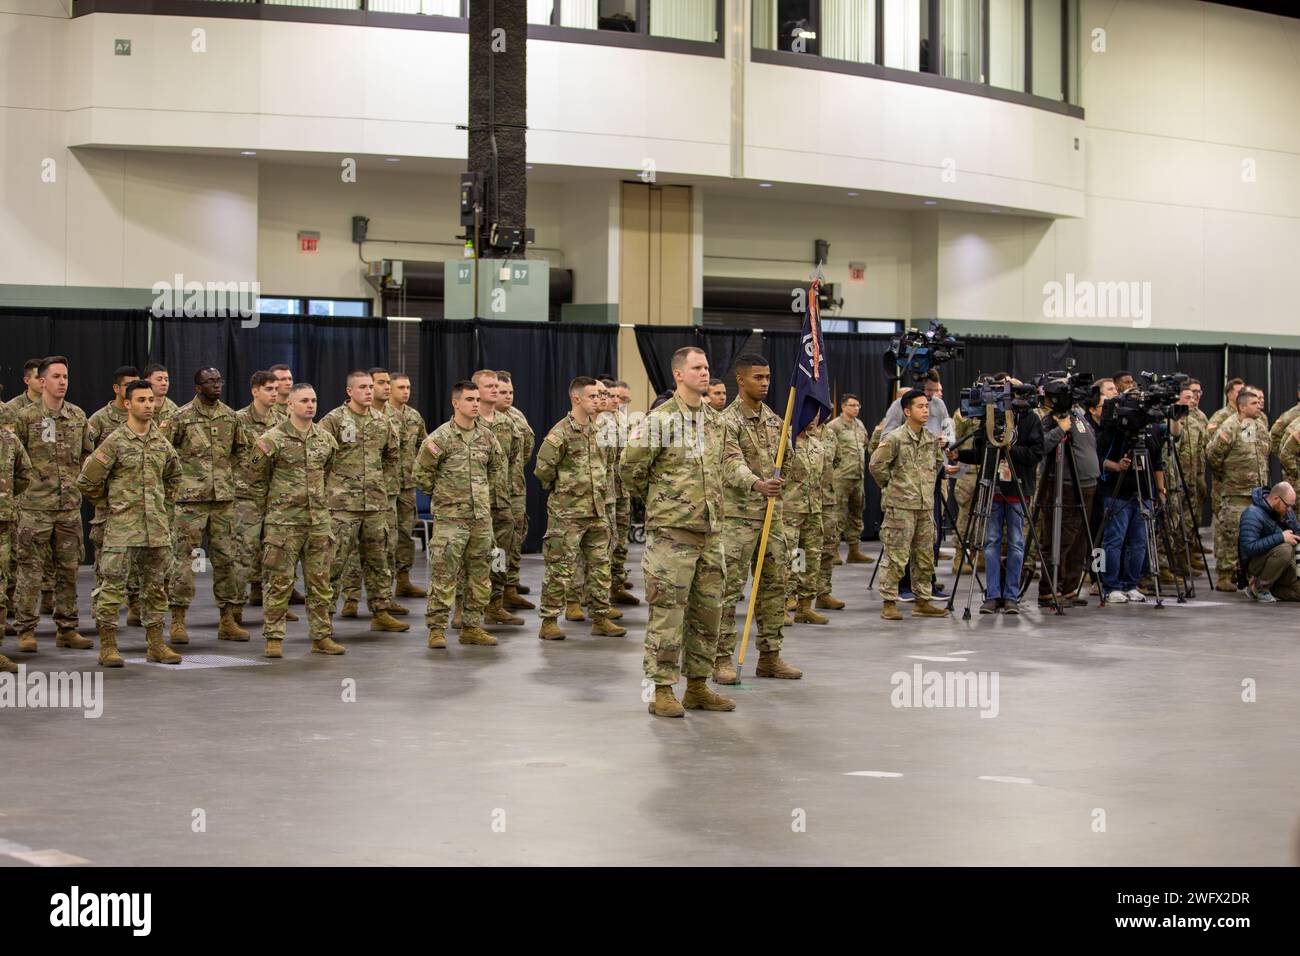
762	541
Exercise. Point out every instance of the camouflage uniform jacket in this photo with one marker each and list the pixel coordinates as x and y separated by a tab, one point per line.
851	437
19	402
104	422
463	471
905	466
249	482
210	442
752	439
56	462
1238	455
393	466
574	469
802	473
164	410
1191	451
134	479
832	450
367	454
294	468
412	431
1278	432
506	432
523	451
15	474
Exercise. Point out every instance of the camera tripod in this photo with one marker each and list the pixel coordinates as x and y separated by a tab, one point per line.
994	456
1184	513
1052	568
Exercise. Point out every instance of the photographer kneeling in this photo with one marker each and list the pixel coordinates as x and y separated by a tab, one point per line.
1013	484
1124	532
1267	541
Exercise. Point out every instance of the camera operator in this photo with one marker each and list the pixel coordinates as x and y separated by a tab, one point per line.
1124	535
1269	533
1079	433
1010	508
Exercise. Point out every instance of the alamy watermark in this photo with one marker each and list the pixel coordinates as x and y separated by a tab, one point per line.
922	688
1085	299
70	690
213	300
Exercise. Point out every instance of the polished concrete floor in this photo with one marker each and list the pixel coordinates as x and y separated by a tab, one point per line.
1121	736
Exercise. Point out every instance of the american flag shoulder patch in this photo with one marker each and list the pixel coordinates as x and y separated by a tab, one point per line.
264	446
553	438
101	457
432	446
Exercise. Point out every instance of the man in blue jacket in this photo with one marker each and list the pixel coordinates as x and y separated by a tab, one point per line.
1268	535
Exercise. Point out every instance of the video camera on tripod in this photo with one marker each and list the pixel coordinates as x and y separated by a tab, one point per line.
914	352
1003	394
1062	390
1151	403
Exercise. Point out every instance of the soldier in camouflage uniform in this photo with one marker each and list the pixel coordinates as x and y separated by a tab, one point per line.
503	428
751	436
53	431
292	461
964	491
463	470
906	466
15	476
623	508
851	438
255	419
801	513
1278	438
1238	456
1196	432
160	381
358	484
100	425
513	597
1183	510
411	430
30	394
573	467
208	436
134	475
674	462
834	500
283	387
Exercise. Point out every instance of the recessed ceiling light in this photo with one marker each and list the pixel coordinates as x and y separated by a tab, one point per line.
764	185
248	152
391	159
931	202
852	194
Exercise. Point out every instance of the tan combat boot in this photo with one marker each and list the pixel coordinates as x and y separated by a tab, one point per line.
494	613
513	601
699	697
724	672
770	664
133	612
621	595
47	602
837	560
1167	577
229	629
255	595
349	607
857	557
829	602
890	612
27	642
326	645
665	702
108	655
437	639
791	603
381	620
924	608
273	648
158	652
288	616
523	589
1226	583
601	625
573	612
804	613
550	631
7	666
179	635
238	613
476	635
406	589
397	610
68	637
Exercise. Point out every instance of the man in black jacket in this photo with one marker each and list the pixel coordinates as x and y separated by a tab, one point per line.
1124	533
1009	510
1080	443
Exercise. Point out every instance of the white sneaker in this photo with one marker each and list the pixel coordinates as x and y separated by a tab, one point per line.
1116	597
1136	597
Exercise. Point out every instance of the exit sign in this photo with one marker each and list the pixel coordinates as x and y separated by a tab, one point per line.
308	242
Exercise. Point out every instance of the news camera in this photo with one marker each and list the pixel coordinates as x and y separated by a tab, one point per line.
1063	390
914	352
1147	405
1004	395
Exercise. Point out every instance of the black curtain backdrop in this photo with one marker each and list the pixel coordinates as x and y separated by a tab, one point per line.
448	353
1030	359
1284	376
542	359
982	355
1102	359
95	341
1204	363
657	343
781	349
856	367
1161	359
722	346
1251	363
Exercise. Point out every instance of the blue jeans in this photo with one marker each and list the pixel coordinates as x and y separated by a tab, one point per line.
1125	542
1013	515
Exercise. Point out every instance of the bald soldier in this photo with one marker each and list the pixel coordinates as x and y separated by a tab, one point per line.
463	470
292	461
573	467
134	475
674	462
1238	456
752	435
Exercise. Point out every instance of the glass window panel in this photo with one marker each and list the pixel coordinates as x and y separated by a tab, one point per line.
903	34
848	30
1072	46
280	306
618	15
962	47
539	11
795	29
684	19
1046	46
337	307
431	8
1007	44
326	4
582	14
764	20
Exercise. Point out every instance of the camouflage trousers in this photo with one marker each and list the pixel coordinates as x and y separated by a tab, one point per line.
740	538
832	525
459	545
6	552
578	582
132	575
363	535
1227	527
803	539
283	546
504	532
11	564
47	537
964	489
250	518
848	514
684	577
618	552
189	522
566	541
404	549
352	576
115	566
519	508
908	537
